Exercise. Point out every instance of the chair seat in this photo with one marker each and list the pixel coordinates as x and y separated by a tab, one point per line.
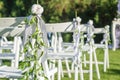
10	72
86	48
52	71
68	44
6	47
99	45
7	56
61	55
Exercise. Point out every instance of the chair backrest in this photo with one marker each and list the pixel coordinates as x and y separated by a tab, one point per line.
5	42
12	26
18	43
56	29
65	27
59	27
13	53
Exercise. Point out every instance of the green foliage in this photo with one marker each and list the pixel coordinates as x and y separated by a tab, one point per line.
33	50
101	12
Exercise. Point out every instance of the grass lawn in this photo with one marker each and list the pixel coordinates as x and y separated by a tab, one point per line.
113	73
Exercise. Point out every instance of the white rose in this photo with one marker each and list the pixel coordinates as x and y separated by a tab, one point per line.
37	9
78	19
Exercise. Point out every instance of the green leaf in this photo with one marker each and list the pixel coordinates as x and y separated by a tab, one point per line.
30	44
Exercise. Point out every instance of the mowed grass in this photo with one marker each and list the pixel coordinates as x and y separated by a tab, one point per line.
113	73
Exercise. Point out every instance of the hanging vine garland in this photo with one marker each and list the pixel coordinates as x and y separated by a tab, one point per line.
33	45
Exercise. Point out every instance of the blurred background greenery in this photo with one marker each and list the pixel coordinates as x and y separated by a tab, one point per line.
102	12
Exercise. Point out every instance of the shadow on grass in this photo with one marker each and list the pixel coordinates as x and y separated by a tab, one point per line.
114	71
115	64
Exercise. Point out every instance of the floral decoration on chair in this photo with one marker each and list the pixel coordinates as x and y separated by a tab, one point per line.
33	45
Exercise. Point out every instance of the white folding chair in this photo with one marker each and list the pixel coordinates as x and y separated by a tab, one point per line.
5	44
55	42
57	45
89	48
15	73
49	72
11	71
13	54
66	55
104	45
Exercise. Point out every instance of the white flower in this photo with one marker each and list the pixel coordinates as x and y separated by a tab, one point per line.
90	22
37	9
78	19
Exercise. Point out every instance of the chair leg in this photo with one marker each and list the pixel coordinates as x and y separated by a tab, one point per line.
72	66
96	64
59	69
105	60
81	70
107	52
85	60
91	60
76	72
68	68
52	65
0	60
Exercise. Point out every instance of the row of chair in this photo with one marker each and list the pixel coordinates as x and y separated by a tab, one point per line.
90	46
69	52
